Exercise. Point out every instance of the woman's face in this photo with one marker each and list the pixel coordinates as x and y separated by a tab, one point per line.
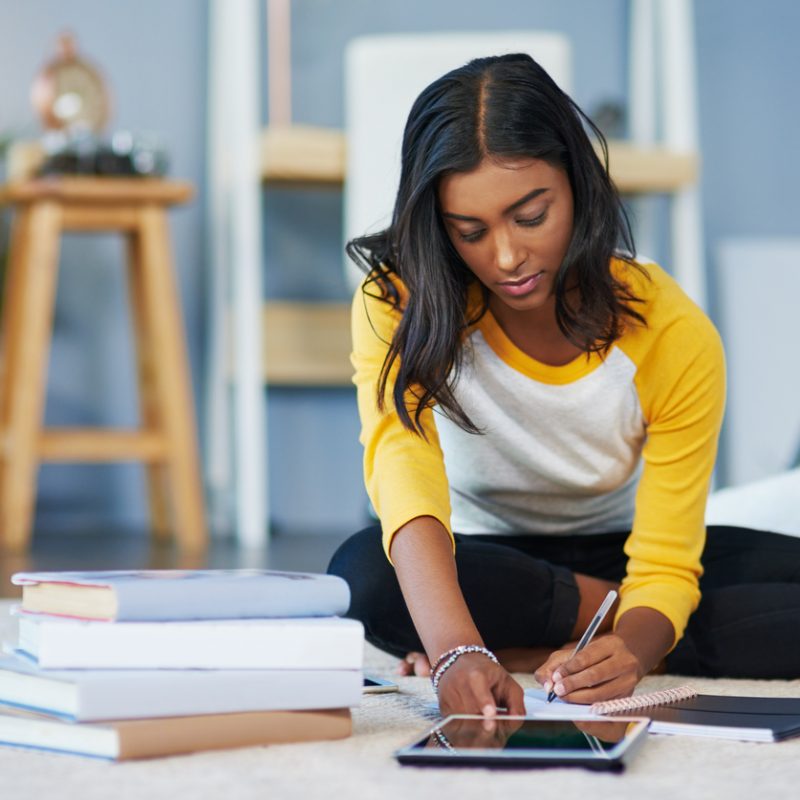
511	222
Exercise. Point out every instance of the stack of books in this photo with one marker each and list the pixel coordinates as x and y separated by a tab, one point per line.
125	665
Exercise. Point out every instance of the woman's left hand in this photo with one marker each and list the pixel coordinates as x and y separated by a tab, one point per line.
605	669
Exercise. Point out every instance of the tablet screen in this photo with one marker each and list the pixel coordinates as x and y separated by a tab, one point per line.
530	740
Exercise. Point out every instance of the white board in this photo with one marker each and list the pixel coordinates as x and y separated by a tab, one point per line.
758	288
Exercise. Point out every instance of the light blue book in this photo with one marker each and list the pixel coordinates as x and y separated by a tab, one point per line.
142	595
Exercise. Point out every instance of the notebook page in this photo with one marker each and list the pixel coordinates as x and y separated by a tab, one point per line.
536	705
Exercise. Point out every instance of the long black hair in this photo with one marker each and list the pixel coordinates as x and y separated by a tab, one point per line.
503	106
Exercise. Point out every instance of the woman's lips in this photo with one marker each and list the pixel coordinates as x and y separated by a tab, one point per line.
521	287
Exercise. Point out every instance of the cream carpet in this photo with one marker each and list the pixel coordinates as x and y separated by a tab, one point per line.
363	766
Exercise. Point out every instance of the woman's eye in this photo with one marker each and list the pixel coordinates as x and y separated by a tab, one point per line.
533	221
470	237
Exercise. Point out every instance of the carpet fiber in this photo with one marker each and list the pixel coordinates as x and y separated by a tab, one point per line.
363	767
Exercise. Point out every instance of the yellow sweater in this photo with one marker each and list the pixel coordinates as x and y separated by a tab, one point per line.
623	442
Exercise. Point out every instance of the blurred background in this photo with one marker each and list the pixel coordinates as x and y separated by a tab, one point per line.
162	66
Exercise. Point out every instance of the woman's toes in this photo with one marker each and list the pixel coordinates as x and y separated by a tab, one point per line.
422	667
414	664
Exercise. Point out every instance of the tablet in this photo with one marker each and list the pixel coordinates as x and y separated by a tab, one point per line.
373	685
526	742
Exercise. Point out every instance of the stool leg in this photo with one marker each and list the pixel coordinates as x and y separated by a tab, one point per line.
173	385
36	277
148	397
10	332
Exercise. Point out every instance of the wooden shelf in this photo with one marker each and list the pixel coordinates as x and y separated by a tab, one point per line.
307	344
305	154
302	154
637	170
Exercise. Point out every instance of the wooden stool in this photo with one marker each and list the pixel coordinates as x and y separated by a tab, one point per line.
166	441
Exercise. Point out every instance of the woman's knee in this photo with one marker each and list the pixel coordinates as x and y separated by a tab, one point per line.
375	597
361	562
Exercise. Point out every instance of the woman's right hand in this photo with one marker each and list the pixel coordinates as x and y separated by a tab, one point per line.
476	685
422	553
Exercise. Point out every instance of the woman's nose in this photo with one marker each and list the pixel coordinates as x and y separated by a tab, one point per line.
507	255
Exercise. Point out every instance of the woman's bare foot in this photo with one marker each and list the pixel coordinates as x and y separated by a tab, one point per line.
415	664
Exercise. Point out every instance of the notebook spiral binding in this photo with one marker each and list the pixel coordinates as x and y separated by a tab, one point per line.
640	701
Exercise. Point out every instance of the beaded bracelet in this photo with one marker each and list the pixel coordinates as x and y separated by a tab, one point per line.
438	663
442	741
450	658
447	654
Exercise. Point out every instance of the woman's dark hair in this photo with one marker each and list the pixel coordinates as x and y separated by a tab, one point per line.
504	106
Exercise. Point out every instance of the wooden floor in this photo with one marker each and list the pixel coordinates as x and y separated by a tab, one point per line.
108	551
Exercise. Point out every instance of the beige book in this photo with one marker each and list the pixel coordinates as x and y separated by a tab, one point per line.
148	738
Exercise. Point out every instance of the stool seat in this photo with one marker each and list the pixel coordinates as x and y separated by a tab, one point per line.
166	442
82	190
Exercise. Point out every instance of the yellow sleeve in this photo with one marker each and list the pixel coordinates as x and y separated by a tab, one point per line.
681	386
404	474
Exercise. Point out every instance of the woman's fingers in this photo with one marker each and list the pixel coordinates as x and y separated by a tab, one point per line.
476	685
511	696
603	670
481	689
545	672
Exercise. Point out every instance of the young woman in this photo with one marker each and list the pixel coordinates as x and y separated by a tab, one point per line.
540	415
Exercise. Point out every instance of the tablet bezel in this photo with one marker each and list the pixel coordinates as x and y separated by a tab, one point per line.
613	759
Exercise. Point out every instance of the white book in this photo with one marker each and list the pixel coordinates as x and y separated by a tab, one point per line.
183	594
94	695
310	643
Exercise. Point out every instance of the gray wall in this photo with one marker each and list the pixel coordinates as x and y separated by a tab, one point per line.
748	64
154	55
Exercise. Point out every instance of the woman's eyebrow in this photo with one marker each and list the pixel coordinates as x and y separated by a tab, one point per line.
515	205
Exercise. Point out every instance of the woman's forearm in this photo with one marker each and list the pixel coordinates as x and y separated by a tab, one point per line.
648	634
426	570
422	553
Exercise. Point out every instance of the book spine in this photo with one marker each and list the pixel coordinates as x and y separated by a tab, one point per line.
232	598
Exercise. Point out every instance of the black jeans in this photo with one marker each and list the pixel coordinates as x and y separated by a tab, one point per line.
521	592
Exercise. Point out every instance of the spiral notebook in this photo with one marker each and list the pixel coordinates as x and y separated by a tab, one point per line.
683	711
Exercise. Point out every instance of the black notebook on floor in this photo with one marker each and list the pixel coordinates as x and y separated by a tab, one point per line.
749	719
